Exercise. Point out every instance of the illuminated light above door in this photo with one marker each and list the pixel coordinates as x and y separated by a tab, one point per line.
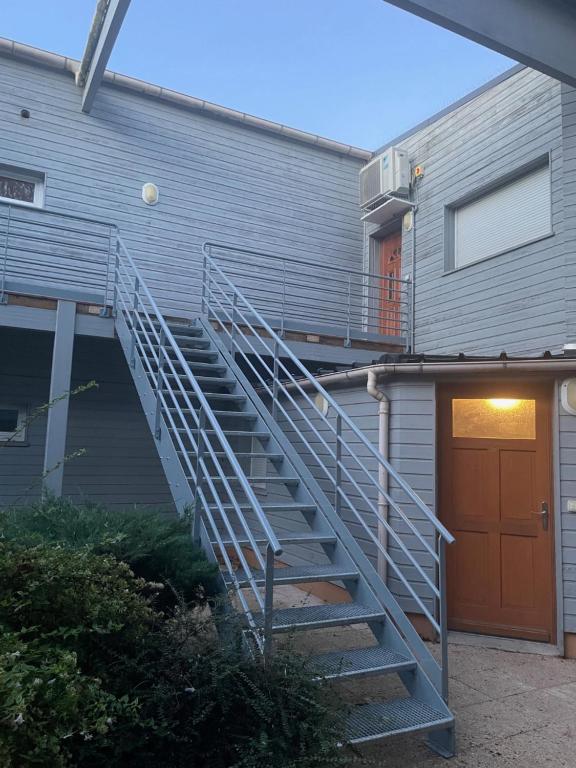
494	418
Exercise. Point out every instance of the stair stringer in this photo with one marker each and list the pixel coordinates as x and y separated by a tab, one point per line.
426	681
180	489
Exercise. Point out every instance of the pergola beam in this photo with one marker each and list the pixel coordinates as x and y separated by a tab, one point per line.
538	33
107	23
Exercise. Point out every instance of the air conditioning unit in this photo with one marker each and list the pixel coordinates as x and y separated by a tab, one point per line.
387	174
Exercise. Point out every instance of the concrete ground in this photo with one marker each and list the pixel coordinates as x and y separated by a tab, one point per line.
512	709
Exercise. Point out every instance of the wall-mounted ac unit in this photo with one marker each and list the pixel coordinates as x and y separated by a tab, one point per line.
387	174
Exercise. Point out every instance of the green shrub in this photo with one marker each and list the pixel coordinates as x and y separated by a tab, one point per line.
206	704
157	547
48	707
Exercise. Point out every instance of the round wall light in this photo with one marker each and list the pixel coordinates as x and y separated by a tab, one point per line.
568	396
321	403
150	193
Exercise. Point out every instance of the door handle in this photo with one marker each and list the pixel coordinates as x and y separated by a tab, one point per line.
544	515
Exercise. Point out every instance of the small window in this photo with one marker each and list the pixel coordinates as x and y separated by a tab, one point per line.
514	214
12	423
21	187
496	418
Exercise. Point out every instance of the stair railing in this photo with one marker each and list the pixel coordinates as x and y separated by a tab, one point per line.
182	408
338	454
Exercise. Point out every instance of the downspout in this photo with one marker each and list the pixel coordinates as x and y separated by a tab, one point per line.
383	447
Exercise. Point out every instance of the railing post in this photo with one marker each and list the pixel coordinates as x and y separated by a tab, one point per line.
105	311
443	614
232	337
203	305
269	603
275	384
348	340
159	385
3	299
338	478
134	316
283	310
116	278
196	519
409	323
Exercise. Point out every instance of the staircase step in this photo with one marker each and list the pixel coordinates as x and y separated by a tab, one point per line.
203	354
300	574
292	482
231	433
215	380
275	508
288	538
186	341
273	457
223	397
369	722
177	329
360	662
246	416
196	365
314	616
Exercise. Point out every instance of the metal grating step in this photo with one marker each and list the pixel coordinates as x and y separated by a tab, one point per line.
299	574
222	414
299	537
369	722
292	482
274	457
360	661
214	368
313	616
179	329
208	354
273	508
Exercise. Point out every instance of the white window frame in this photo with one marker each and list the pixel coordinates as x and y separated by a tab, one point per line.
20	433
518	174
22	174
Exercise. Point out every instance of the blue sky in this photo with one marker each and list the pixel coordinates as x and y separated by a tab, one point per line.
359	71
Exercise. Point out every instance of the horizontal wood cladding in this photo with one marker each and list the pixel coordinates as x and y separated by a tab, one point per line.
516	301
120	466
217	180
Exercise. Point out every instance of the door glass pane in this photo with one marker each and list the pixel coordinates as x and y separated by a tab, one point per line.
495	418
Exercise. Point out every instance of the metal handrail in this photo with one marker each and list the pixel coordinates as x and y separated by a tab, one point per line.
347	302
17	245
237	318
153	343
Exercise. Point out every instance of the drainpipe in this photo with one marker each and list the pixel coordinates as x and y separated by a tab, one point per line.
383	447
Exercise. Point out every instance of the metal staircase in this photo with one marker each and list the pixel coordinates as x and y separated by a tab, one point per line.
281	496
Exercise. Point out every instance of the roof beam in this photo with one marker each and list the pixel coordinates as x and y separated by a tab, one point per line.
538	33
105	28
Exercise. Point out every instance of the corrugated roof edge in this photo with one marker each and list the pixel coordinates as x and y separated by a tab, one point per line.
17	50
452	107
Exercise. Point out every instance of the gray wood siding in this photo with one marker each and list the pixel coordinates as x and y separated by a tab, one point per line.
217	180
120	467
514	302
567	520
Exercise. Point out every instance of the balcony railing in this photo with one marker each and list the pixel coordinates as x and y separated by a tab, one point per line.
58	255
53	254
312	297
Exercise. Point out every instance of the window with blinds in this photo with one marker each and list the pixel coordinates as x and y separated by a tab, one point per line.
512	215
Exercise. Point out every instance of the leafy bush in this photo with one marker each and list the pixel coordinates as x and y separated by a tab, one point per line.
94	674
206	704
48	707
155	546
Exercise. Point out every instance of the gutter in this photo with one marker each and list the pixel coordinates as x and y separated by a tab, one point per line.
394	369
56	61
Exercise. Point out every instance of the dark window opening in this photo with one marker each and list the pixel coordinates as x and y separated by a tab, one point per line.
17	189
8	419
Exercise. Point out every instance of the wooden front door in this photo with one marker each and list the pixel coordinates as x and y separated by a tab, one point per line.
495	496
390	267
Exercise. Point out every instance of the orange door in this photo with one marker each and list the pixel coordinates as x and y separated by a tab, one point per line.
390	267
495	496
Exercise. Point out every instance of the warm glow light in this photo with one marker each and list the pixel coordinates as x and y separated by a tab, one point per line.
503	403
